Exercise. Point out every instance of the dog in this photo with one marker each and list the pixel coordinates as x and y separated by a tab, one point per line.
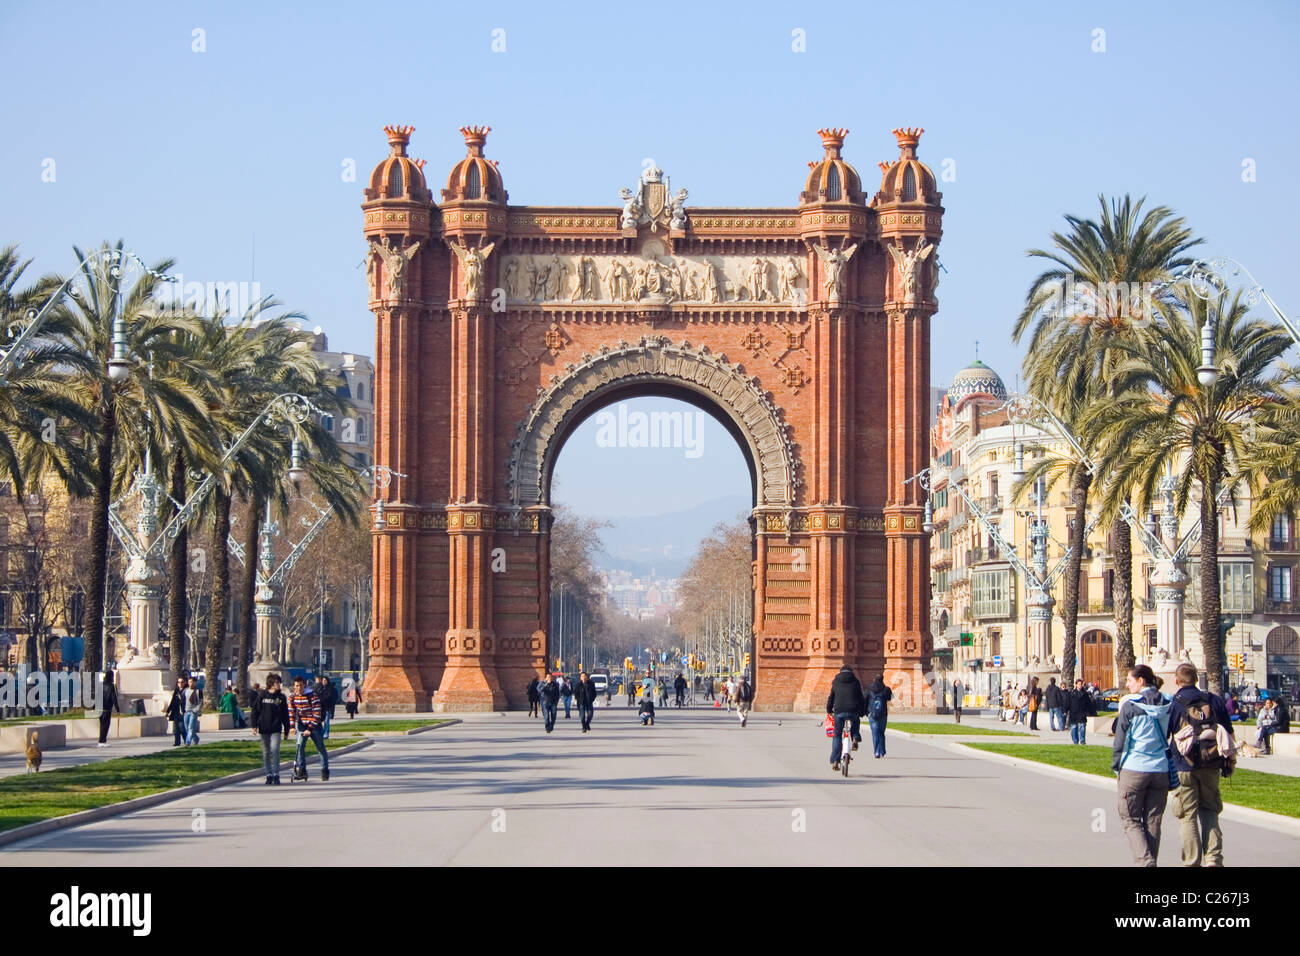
33	754
1249	750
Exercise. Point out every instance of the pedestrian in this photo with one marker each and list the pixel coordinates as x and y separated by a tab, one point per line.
845	703
176	712
646	712
1053	699
584	693
351	699
744	698
708	688
107	706
1078	708
1022	706
270	719
1004	710
1266	726
1140	757
878	698
566	691
229	705
1200	730
679	685
958	698
550	701
193	710
663	692
305	720
631	692
534	697
329	699
1035	699
728	692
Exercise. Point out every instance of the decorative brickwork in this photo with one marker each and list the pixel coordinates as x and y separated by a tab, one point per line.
804	330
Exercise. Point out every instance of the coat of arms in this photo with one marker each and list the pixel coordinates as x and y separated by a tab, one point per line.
653	202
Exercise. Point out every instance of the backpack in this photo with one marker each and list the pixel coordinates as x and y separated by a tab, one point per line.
877	709
1201	739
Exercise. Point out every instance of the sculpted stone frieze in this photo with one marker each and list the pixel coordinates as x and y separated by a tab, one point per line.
654	276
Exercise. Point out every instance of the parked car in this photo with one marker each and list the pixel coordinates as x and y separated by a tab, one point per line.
601	682
1112	697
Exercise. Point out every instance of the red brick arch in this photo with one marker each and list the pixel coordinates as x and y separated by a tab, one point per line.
500	327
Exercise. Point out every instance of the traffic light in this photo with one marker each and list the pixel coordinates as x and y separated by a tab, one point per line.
627	663
747	660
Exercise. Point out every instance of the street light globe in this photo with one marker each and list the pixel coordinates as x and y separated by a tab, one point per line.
118	370
1207	375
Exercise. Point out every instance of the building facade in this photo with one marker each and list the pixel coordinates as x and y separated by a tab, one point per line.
979	610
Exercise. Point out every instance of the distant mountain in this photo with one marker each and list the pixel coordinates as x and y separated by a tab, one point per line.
665	543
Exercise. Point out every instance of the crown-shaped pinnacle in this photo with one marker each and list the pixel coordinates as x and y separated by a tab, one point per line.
832	139
475	137
419	163
908	136
398	137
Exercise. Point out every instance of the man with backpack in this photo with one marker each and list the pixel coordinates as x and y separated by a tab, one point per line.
1204	751
878	698
1141	760
744	698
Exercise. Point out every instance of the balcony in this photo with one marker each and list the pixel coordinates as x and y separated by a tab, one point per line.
981	555
989	503
956	474
1282	607
1106	606
958	521
958	576
1283	544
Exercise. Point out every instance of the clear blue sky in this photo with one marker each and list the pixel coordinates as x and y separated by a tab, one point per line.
192	155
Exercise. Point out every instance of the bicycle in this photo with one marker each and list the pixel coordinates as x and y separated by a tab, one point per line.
846	748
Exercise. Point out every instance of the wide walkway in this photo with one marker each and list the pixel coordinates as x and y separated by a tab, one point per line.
696	789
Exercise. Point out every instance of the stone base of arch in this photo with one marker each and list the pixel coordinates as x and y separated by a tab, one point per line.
470	683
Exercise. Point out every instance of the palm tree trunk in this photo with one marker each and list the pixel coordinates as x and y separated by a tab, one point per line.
1070	610
1121	543
177	573
1211	606
92	661
248	625
216	644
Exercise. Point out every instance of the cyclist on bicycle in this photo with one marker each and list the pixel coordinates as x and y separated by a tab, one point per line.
679	685
846	703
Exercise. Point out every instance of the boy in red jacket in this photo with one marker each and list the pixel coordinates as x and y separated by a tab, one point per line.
305	718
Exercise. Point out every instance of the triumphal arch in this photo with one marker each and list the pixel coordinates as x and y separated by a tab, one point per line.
805	329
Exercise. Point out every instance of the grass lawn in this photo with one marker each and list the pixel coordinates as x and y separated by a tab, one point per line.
66	715
953	730
381	726
1273	792
30	798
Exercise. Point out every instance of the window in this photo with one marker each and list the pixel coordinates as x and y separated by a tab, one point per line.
909	184
992	594
1281	536
396	184
995	641
1152	639
473	183
327	423
1279	583
1237	586
361	391
833	184
361	429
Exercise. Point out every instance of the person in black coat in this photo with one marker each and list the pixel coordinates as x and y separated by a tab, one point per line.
1054	701
534	697
176	711
329	699
107	705
270	719
1079	707
550	693
584	695
845	702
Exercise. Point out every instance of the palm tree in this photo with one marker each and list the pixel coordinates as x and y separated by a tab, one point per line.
153	401
1271	457
41	400
1105	281
1161	420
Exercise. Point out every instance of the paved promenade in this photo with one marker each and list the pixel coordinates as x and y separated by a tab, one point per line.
696	789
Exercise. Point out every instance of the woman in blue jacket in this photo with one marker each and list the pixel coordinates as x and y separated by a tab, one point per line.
1141	758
